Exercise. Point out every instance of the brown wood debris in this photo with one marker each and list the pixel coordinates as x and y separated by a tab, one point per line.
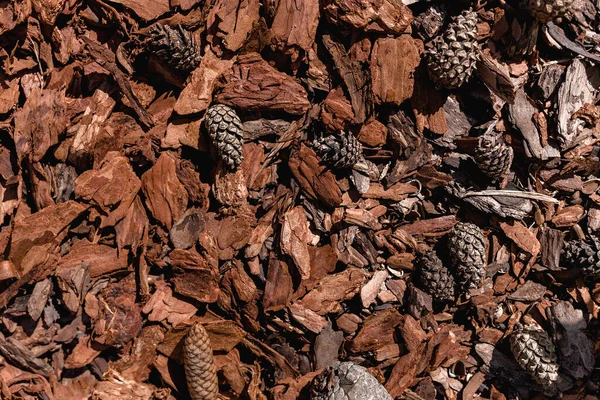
358	211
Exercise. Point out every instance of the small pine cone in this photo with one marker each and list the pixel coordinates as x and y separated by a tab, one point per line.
435	277
548	10
583	254
176	47
493	156
347	381
451	57
226	132
200	369
534	351
339	151
467	249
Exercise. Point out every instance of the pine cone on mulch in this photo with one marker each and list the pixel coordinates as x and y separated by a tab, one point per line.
493	156
548	10
200	369
435	277
583	254
226	133
339	151
534	351
452	56
467	249
176	47
347	381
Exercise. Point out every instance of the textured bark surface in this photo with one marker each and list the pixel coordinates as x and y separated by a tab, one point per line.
286	199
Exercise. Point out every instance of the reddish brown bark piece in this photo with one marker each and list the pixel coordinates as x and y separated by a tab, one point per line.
120	318
316	181
9	95
355	78
428	226
256	86
198	94
278	288
99	259
166	198
43	117
336	110
522	236
295	238
332	290
377	331
393	64
145	10
373	134
568	216
138	363
164	307
230	22
113	187
371	15
194	276
33	235
294	25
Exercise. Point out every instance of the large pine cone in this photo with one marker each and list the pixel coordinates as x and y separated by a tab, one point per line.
547	10
534	351
467	249
347	381
493	156
226	132
583	254
339	151
176	47
435	277
200	369
451	57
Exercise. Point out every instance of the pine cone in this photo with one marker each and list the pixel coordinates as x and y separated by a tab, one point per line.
176	47
467	250
534	351
200	369
339	151
451	57
493	156
226	132
583	254
435	277
547	10
347	381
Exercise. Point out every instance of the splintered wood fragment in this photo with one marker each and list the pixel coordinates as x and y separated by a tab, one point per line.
106	58
551	241
496	75
377	330
579	87
316	181
353	76
428	226
573	344
17	353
